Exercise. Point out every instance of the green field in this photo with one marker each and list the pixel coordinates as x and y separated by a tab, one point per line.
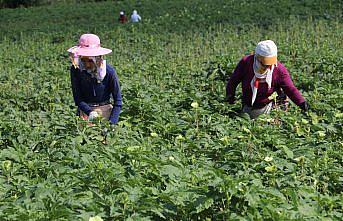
167	160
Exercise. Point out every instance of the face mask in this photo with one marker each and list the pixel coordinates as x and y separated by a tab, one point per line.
259	68
97	70
86	67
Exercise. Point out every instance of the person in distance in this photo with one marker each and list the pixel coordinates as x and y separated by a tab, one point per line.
135	17
93	81
261	74
122	17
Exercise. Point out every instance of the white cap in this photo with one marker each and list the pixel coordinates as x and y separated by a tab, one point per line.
268	50
121	13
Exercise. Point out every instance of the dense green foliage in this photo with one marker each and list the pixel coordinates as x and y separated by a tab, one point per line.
32	3
22	3
167	159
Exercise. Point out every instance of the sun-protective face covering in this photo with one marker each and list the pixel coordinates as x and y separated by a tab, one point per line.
267	75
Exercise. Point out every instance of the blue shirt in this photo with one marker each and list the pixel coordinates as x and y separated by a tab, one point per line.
87	90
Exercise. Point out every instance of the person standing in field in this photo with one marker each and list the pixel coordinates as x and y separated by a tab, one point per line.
135	17
122	17
261	74
93	81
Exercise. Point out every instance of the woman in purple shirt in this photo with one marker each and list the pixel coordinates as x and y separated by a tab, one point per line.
261	75
93	81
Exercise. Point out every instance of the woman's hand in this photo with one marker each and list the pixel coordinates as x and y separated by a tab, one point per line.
230	99
93	115
304	106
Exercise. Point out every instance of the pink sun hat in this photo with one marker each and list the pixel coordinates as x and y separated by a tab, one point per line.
89	45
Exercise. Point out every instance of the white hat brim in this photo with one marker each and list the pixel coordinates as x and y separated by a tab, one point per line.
89	51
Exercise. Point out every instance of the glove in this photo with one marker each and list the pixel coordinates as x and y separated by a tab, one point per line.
230	99
304	106
93	115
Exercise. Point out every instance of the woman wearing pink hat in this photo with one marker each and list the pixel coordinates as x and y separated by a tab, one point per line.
261	74
93	81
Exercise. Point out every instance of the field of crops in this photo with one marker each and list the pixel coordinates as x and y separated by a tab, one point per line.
179	151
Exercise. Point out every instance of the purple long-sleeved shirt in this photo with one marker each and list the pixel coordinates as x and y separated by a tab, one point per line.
281	80
86	90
